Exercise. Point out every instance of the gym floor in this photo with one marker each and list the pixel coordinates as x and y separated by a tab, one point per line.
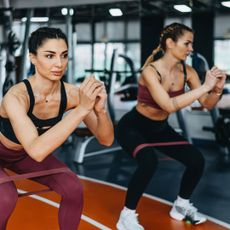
212	196
105	177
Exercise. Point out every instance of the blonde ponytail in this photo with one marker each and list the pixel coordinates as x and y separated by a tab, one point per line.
151	57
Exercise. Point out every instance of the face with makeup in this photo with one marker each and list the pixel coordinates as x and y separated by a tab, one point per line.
51	58
182	47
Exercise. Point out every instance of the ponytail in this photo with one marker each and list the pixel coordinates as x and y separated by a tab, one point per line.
151	57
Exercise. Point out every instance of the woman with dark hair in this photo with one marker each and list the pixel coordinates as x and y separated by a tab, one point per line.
32	126
145	128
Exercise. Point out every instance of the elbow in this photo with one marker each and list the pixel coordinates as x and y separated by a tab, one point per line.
36	155
39	159
168	105
107	141
208	107
172	106
169	109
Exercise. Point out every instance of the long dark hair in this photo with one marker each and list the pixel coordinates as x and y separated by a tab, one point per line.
173	31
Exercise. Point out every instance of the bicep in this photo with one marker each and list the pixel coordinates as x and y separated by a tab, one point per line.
158	93
24	129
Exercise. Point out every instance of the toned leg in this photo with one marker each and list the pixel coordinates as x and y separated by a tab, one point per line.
8	199
66	184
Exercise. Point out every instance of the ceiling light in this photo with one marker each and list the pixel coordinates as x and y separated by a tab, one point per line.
115	12
71	12
226	3
182	8
36	19
64	11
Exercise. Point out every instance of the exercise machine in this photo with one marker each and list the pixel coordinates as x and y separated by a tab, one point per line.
11	45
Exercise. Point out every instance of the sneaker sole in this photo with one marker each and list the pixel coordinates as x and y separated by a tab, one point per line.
120	226
201	222
177	216
181	218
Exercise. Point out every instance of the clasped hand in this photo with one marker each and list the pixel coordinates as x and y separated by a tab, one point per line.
92	94
215	79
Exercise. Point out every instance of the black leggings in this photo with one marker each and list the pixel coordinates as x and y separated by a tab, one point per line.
140	136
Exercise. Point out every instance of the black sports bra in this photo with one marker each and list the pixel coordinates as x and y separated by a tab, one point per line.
41	124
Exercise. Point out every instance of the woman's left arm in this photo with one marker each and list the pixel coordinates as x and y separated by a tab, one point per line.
99	122
209	100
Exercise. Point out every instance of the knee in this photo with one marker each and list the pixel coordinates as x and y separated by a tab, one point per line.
74	190
197	161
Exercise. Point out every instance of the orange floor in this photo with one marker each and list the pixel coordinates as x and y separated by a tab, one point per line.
102	205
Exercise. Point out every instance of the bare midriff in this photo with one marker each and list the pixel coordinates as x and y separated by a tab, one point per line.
9	144
150	112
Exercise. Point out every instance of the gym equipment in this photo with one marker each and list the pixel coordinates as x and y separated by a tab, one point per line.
128	88
200	64
130	85
12	45
83	135
23	68
221	122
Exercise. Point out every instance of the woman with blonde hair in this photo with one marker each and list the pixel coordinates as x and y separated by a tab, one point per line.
145	128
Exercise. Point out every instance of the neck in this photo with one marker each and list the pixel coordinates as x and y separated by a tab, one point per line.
168	62
45	88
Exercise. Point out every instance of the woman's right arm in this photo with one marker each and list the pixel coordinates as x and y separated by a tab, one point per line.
174	104
39	147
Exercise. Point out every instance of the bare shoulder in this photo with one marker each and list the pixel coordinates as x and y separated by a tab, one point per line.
149	73
191	72
16	97
148	70
17	92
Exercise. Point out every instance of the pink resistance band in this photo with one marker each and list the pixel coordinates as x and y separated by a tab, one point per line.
139	147
32	175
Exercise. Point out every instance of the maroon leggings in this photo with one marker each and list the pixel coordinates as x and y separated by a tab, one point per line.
66	184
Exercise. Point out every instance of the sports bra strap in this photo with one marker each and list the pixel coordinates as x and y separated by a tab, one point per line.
31	95
185	72
32	100
63	99
154	67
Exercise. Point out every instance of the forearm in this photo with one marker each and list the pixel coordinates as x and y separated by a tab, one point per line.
188	98
104	130
45	144
212	98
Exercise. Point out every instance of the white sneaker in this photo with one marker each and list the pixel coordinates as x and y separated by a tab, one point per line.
187	212
128	221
